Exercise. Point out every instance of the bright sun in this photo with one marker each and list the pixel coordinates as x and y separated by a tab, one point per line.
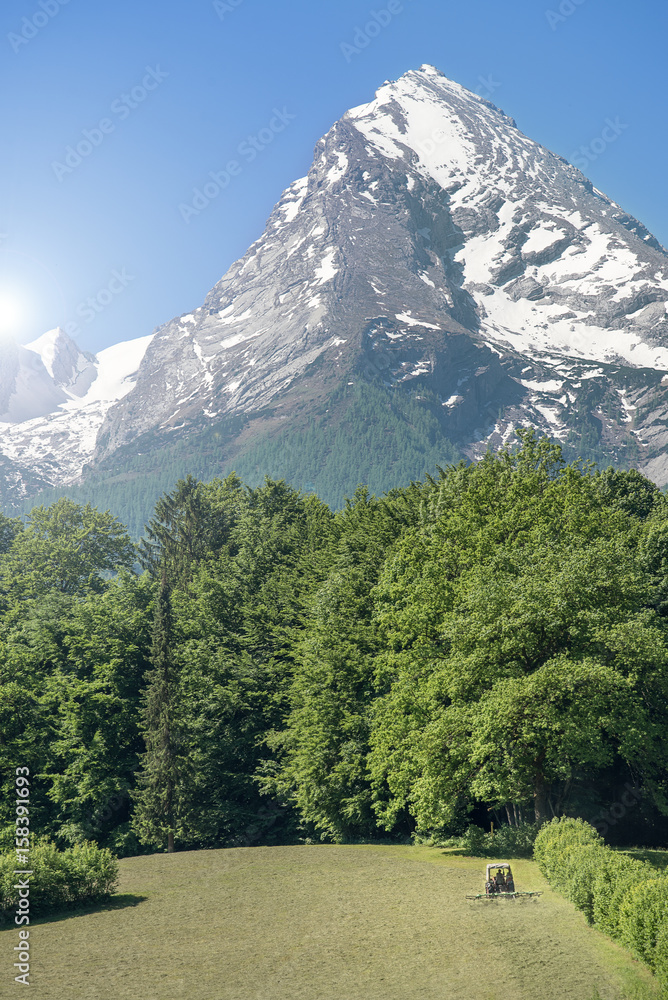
10	312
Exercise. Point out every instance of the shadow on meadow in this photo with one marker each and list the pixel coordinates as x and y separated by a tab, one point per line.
119	902
659	859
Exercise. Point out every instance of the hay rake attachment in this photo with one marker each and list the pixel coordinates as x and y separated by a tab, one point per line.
500	884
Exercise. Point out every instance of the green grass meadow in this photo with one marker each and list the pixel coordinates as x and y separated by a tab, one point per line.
322	923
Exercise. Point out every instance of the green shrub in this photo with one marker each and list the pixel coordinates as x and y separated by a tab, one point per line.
60	880
475	842
581	868
626	898
508	841
515	841
642	913
661	955
559	837
614	878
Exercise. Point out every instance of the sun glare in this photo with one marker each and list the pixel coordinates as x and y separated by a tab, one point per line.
10	313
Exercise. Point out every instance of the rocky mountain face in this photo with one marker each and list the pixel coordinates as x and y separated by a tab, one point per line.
433	249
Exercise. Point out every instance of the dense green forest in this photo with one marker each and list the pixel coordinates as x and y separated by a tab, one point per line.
488	643
363	433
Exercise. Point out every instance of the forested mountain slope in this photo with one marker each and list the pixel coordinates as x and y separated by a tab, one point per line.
436	280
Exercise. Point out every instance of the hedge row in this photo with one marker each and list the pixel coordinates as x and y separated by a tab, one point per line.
627	899
60	880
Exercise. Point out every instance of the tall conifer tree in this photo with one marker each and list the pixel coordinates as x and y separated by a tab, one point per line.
157	798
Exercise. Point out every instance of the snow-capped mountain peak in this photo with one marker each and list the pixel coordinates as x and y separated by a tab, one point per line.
432	246
58	397
70	368
532	228
26	387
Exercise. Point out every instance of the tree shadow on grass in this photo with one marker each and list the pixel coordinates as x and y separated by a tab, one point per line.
118	902
659	859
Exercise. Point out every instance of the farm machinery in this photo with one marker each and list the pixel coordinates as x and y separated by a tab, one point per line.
500	884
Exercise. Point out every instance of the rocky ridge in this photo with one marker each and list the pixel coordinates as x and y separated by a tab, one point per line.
431	247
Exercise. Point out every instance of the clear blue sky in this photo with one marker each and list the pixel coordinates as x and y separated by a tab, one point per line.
64	234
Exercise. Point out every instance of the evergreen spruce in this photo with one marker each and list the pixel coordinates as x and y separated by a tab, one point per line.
157	798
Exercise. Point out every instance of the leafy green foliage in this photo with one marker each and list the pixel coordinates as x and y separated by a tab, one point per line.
491	641
9	529
61	880
94	698
517	617
323	746
506	841
64	548
160	796
624	897
642	912
242	617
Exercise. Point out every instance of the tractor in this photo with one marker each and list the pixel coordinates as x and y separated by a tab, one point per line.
500	884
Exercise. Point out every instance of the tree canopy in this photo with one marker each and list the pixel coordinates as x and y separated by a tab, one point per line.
491	640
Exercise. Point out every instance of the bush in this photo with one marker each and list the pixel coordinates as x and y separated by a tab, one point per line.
516	841
661	955
615	877
643	911
559	837
509	841
475	842
80	875
626	898
581	869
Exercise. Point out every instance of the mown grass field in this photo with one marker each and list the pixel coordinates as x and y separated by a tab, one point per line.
322	923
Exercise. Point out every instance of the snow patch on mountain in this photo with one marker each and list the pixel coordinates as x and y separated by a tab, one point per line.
56	444
69	367
435	247
26	387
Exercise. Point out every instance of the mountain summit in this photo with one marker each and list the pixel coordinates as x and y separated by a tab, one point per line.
433	252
